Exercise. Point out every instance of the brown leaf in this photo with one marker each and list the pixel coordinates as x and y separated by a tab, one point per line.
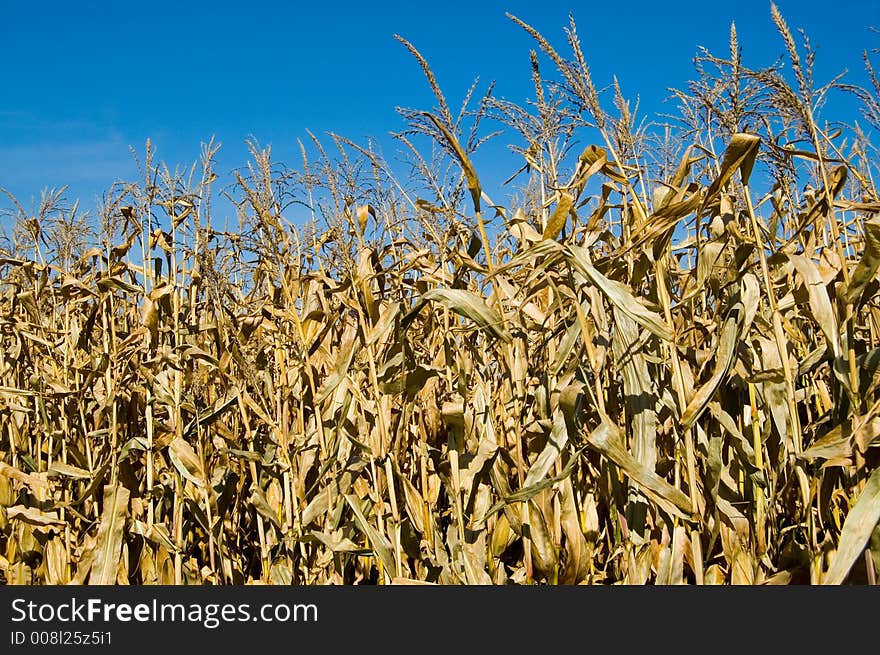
559	216
607	440
186	461
728	340
868	264
578	553
857	529
108	547
739	156
33	516
620	295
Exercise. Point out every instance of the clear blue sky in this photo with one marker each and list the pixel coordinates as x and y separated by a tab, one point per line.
83	81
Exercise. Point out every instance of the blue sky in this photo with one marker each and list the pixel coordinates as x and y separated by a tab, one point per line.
84	81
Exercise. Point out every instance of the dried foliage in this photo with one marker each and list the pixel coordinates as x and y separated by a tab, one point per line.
657	364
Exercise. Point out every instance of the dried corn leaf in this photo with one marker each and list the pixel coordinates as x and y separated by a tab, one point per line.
186	461
867	266
559	216
379	544
820	303
620	295
466	304
739	156
555	445
727	343
33	516
857	529
840	441
607	440
68	471
577	551
29	479
544	556
108	547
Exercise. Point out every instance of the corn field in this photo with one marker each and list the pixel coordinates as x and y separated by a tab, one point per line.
655	362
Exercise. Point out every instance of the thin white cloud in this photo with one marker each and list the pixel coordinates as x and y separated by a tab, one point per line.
87	168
